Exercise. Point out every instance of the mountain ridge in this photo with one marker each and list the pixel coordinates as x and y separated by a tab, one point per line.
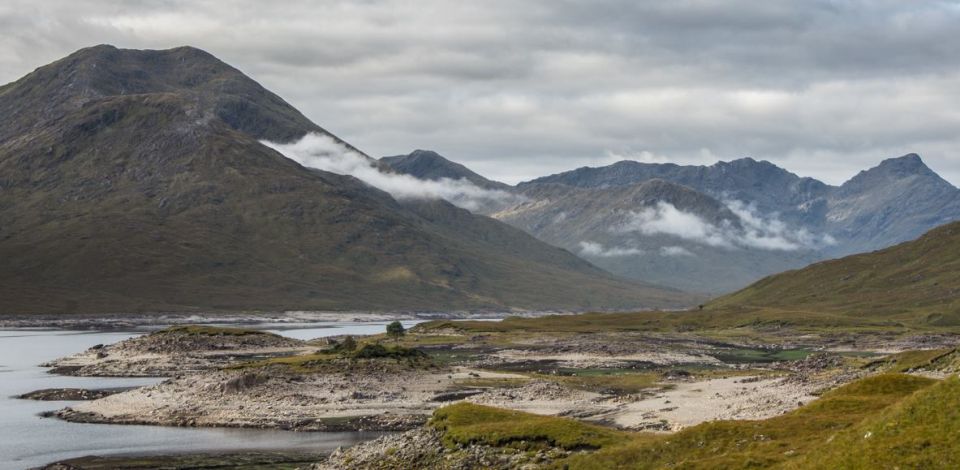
793	220
166	200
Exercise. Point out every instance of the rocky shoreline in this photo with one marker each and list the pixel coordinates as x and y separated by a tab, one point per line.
71	394
650	382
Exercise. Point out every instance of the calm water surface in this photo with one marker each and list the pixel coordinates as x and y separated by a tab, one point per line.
27	440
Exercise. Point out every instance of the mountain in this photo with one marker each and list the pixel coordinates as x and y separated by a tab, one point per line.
137	181
769	187
898	200
785	221
655	230
913	282
429	165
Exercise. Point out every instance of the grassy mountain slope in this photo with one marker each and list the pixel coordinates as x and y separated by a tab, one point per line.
914	281
135	181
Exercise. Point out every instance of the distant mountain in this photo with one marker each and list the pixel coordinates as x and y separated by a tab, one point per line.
717	228
654	230
767	186
137	181
429	165
914	282
894	202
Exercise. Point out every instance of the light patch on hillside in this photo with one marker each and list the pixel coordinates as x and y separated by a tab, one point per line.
755	231
324	153
598	250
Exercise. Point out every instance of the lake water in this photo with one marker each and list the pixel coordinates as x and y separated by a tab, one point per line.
27	440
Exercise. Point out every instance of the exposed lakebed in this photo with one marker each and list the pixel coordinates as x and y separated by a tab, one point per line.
28	440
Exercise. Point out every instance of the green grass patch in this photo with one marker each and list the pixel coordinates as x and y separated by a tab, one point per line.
771	443
747	356
344	361
913	360
466	423
615	381
493	382
204	330
922	431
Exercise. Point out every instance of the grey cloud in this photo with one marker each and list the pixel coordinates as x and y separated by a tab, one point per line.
519	89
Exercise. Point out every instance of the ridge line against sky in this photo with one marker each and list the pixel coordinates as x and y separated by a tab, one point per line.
520	90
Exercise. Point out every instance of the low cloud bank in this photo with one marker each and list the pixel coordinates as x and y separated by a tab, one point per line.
755	231
324	153
600	251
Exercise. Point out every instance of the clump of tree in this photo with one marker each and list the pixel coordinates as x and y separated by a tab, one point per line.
348	344
376	350
396	330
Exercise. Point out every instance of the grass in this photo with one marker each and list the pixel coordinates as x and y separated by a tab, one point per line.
769	443
911	360
739	356
910	421
915	283
616	381
919	432
344	361
466	423
203	330
747	321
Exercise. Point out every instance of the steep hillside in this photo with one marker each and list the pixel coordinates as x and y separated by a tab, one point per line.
916	281
136	181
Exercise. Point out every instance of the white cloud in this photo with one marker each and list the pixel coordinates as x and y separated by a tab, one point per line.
324	153
664	218
756	230
600	251
770	233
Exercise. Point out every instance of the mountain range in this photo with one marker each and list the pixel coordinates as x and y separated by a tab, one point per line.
714	229
141	181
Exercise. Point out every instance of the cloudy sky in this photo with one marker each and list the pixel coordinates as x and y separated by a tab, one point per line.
521	89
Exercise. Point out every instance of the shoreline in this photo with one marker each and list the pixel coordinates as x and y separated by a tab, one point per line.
124	321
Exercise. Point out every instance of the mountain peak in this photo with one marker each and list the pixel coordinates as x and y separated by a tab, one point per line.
204	84
893	169
430	165
907	164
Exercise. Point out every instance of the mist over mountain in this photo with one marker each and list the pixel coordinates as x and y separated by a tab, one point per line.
718	228
139	181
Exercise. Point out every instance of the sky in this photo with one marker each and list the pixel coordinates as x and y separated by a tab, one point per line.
520	89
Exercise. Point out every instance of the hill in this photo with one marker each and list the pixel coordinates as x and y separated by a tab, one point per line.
916	281
137	181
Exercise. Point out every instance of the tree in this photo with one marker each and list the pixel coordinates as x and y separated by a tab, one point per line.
395	330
